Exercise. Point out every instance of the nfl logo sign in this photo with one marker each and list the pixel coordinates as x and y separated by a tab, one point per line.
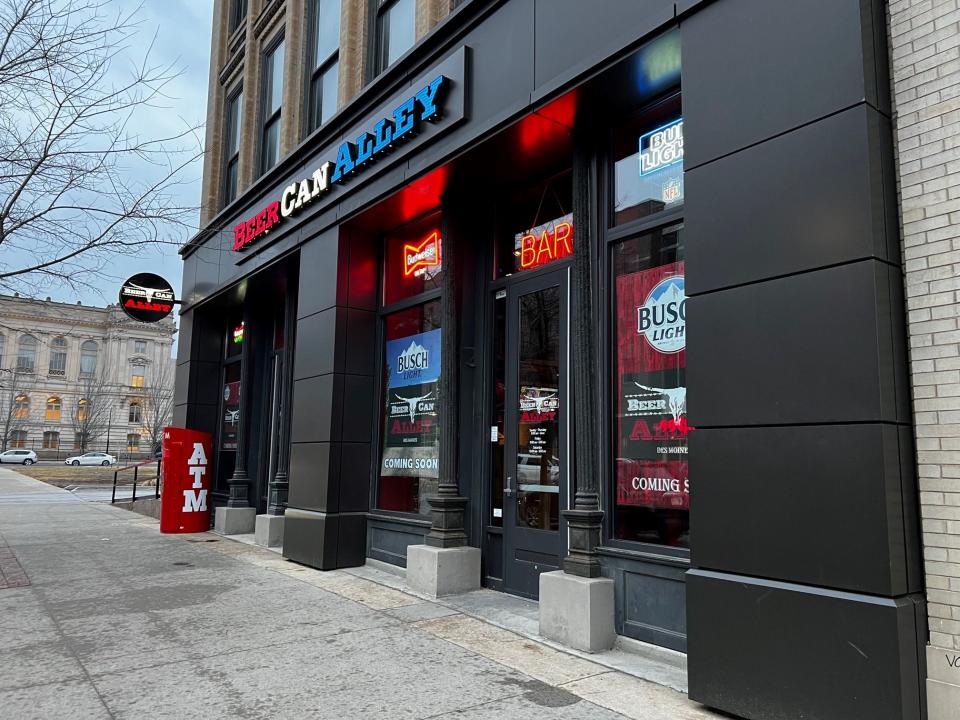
672	191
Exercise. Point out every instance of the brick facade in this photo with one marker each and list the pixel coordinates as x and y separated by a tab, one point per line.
925	53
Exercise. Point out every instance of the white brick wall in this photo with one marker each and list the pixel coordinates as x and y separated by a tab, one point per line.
925	52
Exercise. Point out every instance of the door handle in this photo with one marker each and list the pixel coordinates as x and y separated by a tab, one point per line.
508	490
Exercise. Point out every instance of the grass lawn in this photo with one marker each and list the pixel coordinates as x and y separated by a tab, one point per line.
64	475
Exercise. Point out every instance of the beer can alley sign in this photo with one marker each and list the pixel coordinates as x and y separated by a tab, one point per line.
147	297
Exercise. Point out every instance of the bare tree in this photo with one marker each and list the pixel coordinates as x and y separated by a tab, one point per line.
157	403
90	415
73	192
13	415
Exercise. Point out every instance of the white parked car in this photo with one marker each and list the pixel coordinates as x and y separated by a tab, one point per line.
91	458
21	457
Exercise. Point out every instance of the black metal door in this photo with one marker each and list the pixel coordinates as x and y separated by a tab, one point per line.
535	430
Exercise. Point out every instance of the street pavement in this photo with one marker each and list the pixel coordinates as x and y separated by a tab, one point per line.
103	617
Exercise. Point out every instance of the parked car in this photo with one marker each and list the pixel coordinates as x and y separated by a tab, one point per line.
90	458
21	457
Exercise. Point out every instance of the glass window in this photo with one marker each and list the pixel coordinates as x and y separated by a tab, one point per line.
21	406
232	154
396	31
18	439
136	413
273	102
51	440
238	13
140	346
413	260
325	75
88	358
137	375
536	228
82	409
648	163
133	442
410	447
54	409
27	354
80	440
3	347
652	487
58	357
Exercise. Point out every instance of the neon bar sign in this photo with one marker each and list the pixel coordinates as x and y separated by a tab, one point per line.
661	148
544	243
402	125
419	258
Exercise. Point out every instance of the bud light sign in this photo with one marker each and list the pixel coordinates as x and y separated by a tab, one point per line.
662	318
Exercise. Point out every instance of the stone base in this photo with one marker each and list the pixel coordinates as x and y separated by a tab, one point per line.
269	530
443	571
234	521
943	683
577	611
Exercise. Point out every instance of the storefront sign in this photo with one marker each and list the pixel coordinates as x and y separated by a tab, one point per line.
423	257
146	297
230	422
403	124
412	437
659	484
545	243
661	148
662	318
238	333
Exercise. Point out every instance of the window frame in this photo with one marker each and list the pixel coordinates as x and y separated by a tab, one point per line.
135	417
96	358
55	413
238	13
55	436
231	158
58	346
313	92
609	234
134	367
378	9
30	342
275	117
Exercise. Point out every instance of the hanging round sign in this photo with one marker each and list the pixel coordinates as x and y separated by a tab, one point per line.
147	297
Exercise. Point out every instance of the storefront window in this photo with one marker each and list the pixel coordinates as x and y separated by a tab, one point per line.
410	458
413	260
652	486
648	163
537	228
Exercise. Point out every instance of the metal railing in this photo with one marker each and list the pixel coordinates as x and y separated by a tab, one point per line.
136	471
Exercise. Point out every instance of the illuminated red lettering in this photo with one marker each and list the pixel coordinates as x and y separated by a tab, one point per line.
256	227
553	242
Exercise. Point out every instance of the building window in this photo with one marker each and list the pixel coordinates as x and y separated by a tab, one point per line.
58	357
27	354
140	347
18	439
80	440
3	347
136	412
82	406
238	13
136	376
21	406
231	171
133	442
88	358
410	440
272	105
324	79
396	31
652	486
54	409
51	440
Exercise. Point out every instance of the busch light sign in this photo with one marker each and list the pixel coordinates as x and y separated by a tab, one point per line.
662	318
661	148
414	359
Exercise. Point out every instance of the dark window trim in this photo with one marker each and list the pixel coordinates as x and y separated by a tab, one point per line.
376	10
238	13
275	116
318	67
232	97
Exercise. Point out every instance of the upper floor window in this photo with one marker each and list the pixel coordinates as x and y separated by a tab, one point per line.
231	170
21	406
136	413
88	358
136	376
272	105
238	13
54	408
58	356
139	346
3	347
396	31
326	66
27	354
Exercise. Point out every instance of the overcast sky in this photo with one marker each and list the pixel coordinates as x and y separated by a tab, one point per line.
182	30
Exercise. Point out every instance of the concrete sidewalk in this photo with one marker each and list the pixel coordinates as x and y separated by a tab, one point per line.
119	621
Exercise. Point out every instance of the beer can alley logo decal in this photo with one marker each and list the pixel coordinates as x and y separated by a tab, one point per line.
147	297
662	319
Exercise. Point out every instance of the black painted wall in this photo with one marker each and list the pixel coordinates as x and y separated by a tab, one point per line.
805	598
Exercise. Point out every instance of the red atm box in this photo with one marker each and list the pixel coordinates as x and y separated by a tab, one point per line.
187	463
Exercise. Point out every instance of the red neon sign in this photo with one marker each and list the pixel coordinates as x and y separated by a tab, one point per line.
420	257
256	227
545	243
